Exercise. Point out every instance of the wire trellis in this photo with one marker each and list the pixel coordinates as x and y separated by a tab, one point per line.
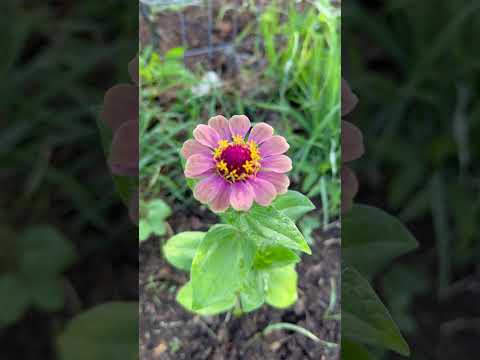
149	9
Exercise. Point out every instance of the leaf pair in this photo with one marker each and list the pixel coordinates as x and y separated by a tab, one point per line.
153	218
39	256
249	261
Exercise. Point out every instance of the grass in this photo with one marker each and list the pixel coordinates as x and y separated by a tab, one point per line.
417	78
290	49
50	98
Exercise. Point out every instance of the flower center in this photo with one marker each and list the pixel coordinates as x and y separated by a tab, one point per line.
237	160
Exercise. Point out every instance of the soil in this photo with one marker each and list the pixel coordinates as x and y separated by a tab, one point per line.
168	331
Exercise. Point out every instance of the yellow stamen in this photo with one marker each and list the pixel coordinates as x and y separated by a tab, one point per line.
237	139
222	166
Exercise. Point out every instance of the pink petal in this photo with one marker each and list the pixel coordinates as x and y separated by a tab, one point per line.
261	132
207	188
241	197
264	191
221	201
198	165
192	147
123	158
352	142
277	163
239	125
276	145
280	181
206	135
349	99
133	69
120	104
220	124
349	188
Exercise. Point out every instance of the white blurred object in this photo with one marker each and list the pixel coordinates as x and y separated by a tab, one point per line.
208	82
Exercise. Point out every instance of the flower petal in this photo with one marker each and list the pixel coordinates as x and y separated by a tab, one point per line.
276	145
239	125
264	191
277	163
352	142
120	104
206	135
198	165
221	201
241	197
192	147
349	99
220	124
280	181
261	132
123	158
207	188
349	188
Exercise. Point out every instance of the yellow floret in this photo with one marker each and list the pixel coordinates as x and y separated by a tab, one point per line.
237	139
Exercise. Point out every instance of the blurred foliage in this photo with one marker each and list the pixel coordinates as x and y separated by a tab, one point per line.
290	48
58	59
415	67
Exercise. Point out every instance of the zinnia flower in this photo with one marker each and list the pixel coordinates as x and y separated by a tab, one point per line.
352	148
236	164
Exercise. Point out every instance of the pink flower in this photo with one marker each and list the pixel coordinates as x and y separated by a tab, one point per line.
236	164
352	148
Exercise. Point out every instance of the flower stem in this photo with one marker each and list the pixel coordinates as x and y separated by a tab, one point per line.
238	310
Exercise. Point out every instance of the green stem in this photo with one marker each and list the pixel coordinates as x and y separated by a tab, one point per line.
238	310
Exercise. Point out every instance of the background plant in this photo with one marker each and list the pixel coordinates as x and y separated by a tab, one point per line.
417	81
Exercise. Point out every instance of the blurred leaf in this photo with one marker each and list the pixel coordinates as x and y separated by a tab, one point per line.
354	351
252	293
216	267
371	239
180	249
272	256
105	332
184	297
365	318
46	251
14	298
293	204
282	286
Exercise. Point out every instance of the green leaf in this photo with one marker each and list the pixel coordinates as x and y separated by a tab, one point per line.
293	204
271	256
281	286
354	351
267	224
144	230
252	293
158	211
216	267
371	239
365	318
106	332
46	251
14	300
184	297
180	249
47	293
175	53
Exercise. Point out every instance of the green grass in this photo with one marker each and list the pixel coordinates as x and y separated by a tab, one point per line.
416	71
297	92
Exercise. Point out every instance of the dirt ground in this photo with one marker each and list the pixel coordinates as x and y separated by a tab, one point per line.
167	331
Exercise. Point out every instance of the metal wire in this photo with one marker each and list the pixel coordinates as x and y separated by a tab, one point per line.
150	8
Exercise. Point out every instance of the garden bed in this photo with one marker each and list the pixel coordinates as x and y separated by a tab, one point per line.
167	331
